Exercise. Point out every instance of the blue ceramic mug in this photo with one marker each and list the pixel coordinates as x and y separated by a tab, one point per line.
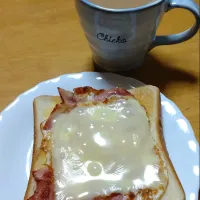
120	38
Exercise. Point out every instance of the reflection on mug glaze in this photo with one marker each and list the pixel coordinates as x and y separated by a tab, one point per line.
111	39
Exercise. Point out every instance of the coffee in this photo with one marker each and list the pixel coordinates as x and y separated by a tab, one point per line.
120	4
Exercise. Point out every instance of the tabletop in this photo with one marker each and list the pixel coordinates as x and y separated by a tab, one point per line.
42	39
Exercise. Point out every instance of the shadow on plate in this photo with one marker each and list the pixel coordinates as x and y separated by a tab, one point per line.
156	73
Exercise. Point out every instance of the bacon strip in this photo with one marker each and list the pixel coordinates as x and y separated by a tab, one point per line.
116	196
68	103
101	94
67	97
113	196
107	93
44	184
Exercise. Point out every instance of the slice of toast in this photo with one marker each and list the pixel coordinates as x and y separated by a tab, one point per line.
148	97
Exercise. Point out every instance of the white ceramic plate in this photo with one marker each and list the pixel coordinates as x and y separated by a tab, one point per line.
16	134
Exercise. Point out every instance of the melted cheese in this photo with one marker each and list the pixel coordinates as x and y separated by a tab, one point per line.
98	150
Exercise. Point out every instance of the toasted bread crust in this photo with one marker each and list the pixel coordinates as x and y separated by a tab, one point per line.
149	98
51	101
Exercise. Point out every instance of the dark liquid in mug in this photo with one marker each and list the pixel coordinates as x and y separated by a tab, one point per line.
120	4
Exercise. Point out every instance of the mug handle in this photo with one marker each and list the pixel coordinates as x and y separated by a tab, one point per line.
186	35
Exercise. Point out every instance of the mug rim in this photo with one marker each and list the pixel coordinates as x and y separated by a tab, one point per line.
121	10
